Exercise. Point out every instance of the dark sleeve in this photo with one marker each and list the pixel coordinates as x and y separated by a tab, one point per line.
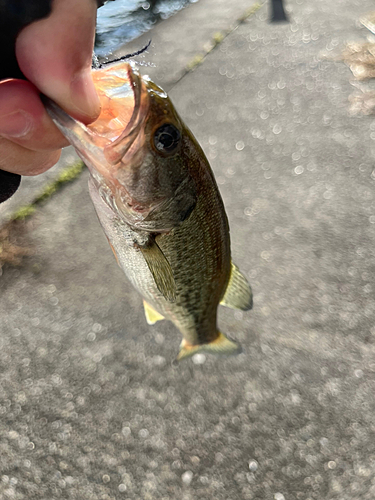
15	15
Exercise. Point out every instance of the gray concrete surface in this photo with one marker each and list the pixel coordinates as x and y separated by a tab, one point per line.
90	404
176	41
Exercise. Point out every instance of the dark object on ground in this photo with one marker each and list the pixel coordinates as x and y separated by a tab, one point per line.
278	12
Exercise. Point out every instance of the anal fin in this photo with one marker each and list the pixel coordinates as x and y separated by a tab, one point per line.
221	346
238	294
152	316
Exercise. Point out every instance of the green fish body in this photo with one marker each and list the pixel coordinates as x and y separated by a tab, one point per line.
160	207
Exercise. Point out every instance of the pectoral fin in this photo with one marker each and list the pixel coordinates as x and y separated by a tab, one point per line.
220	346
152	316
160	269
238	294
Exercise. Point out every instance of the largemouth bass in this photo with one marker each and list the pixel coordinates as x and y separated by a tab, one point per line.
161	210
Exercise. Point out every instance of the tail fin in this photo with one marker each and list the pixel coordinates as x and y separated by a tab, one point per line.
222	346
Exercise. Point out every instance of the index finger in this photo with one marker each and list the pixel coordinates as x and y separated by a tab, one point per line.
55	54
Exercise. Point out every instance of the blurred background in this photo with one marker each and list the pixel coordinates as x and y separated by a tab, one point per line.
91	406
120	21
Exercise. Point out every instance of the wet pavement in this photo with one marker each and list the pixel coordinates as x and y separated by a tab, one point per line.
91	406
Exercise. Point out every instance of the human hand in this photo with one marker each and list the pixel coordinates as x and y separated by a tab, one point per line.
55	55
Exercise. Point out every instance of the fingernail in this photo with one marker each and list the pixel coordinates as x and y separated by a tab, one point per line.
17	124
83	94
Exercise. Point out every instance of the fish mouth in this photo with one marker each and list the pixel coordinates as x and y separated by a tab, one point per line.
115	136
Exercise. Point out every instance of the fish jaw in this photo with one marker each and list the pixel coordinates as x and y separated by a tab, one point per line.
81	138
115	137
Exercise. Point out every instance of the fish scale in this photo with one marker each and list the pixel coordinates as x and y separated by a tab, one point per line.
193	265
194	311
156	197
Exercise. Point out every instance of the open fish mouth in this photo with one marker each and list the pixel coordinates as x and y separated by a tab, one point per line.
114	137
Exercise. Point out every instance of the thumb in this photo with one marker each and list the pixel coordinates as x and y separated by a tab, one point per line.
55	55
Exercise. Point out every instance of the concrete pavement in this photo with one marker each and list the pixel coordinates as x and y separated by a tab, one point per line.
90	404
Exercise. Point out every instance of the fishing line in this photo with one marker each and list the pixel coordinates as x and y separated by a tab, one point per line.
128	56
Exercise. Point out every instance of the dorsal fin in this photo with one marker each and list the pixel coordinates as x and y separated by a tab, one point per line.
238	294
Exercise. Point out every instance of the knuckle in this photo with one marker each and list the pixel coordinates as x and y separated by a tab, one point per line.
17	159
42	162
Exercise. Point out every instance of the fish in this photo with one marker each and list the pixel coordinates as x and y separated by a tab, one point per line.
160	207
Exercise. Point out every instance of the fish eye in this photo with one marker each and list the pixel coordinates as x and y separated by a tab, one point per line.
167	138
